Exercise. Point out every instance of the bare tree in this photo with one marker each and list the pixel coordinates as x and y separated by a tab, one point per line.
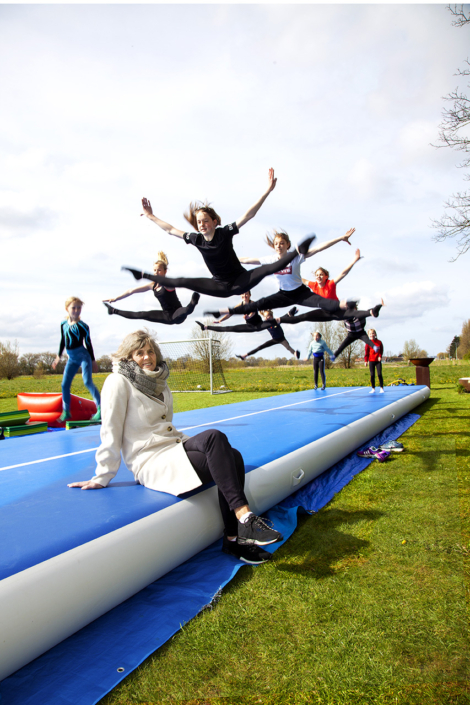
412	351
455	223
28	363
464	347
222	351
9	360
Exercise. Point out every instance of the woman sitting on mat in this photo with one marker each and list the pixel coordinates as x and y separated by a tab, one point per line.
323	286
291	289
276	333
137	408
373	358
74	335
172	313
318	348
216	246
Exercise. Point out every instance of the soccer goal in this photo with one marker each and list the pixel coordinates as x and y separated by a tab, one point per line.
195	365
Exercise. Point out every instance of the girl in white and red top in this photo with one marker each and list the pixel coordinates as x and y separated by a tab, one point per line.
291	289
373	358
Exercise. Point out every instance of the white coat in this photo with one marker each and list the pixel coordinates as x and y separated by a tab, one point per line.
142	429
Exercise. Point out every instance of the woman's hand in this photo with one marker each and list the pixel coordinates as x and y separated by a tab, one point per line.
56	362
146	207
87	485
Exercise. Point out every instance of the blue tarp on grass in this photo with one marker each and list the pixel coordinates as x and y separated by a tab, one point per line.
87	665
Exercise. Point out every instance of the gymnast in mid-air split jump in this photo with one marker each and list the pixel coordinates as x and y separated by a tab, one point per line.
291	289
172	313
277	337
75	339
215	243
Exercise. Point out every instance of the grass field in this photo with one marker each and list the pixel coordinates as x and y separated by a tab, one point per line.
367	603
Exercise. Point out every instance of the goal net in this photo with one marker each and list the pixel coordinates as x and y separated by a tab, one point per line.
195	365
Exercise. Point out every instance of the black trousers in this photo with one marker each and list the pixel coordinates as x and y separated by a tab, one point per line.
318	316
372	367
268	344
215	287
302	295
319	365
214	459
350	338
170	319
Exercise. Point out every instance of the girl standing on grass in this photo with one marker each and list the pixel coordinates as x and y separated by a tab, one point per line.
172	313
318	348
216	246
373	357
75	338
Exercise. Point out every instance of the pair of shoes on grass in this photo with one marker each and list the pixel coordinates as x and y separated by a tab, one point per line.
372	452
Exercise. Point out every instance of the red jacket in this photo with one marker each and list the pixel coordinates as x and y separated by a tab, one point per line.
370	355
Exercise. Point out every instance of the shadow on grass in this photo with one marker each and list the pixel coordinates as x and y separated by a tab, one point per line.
324	549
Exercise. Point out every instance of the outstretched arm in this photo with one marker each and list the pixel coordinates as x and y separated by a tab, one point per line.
345	271
161	223
249	260
251	212
129	292
330	243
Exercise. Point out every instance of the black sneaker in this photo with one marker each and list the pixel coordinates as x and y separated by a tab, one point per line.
304	246
216	314
201	325
297	354
136	273
257	531
293	311
254	555
110	308
195	298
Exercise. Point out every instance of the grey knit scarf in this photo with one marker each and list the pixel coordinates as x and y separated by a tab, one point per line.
152	384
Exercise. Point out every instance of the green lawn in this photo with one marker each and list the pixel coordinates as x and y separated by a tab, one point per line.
367	603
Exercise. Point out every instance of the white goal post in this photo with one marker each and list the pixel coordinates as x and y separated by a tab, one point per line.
195	365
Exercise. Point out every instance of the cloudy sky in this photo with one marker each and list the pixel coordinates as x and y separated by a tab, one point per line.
104	104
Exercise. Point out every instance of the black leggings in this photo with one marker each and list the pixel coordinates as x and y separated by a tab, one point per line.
301	295
214	459
242	328
269	344
222	289
171	319
319	364
372	367
351	337
319	316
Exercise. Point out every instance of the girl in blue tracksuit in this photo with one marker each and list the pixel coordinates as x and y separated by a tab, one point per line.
318	348
75	339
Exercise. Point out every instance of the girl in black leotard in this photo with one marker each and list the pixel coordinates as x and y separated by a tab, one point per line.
172	313
229	277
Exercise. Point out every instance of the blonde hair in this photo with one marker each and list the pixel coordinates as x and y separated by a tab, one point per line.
195	208
71	300
162	259
267	314
278	233
371	330
135	341
317	331
322	269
